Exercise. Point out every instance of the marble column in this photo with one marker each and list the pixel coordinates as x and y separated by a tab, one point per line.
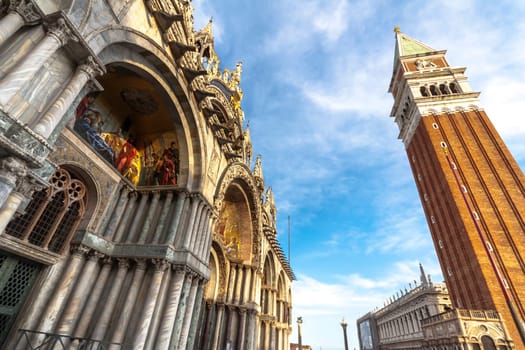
19	13
241	337
205	332
152	210
78	297
48	122
63	289
129	304
198	232
137	218
181	310
124	224
174	228
11	204
231	283
230	326
266	335
256	291
94	299
108	228
163	217
238	285
57	35
204	248
191	226
247	284
273	342
170	309
218	326
150	301
251	334
205	233
12	170
162	301
188	316
195	320
111	301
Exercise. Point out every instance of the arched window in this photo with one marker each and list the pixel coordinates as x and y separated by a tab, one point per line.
443	89
53	214
488	343
453	88
433	90
424	91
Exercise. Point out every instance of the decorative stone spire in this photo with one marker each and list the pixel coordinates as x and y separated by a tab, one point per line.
424	281
207	30
269	205
248	150
258	173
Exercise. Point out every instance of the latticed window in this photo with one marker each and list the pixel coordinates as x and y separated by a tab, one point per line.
53	214
16	279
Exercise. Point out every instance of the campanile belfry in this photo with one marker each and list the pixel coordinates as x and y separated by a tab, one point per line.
471	187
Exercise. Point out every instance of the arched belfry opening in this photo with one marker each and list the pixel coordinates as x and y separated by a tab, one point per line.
133	127
234	226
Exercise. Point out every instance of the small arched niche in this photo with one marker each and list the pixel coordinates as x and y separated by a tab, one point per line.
234	226
132	127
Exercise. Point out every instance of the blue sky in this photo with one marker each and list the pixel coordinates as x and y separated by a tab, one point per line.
315	79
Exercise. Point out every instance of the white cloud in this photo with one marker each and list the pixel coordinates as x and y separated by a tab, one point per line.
301	26
323	304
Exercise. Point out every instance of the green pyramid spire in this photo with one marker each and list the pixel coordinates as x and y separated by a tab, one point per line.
406	46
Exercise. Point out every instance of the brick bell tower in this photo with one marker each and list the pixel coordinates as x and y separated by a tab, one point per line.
471	187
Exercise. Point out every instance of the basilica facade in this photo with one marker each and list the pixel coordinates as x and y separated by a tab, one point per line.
133	213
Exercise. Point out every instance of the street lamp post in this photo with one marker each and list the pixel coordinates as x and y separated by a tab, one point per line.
344	324
299	334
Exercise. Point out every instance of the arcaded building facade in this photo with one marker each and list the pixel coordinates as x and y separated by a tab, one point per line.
471	187
133	214
421	317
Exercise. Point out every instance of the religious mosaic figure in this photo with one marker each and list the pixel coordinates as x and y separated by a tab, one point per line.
126	160
88	127
168	176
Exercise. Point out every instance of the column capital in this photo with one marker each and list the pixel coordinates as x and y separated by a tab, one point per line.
107	260
60	31
179	269
95	255
91	67
26	10
160	264
80	250
141	263
123	263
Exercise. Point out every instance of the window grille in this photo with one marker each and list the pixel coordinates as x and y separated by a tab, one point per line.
16	279
52	215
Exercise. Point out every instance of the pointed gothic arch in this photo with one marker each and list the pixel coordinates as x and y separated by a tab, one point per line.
236	185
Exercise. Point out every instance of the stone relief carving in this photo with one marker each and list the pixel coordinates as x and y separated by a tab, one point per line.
26	10
13	169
